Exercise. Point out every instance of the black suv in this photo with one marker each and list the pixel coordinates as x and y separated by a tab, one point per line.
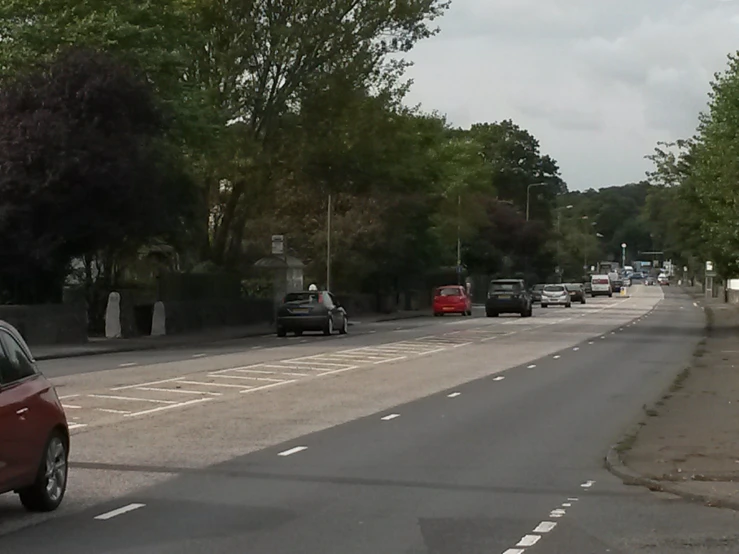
508	296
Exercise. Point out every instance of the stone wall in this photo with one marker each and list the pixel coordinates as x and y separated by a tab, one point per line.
48	323
195	315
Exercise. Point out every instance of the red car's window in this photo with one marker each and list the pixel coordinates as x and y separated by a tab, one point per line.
14	365
449	291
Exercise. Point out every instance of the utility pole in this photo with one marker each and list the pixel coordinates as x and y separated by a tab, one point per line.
328	244
459	240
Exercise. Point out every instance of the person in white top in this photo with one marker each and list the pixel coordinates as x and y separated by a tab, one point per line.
313	287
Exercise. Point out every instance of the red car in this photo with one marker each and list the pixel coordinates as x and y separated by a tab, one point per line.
34	436
452	299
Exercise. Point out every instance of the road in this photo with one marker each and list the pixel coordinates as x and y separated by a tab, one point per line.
466	436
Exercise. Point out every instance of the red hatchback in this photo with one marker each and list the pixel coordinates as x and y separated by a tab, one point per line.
452	299
34	436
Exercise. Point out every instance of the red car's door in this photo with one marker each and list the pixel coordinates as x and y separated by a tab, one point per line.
22	411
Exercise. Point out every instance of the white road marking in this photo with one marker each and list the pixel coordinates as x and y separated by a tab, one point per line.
391	360
499	378
557	513
199	355
389	417
587	484
529	540
545	527
76	425
201	383
71	407
590	342
514	551
573	499
181	391
169	407
68	396
576	349
264	387
532	366
128	364
566	505
130	398
119	511
454	394
149	383
244	377
109	411
557	357
292	451
257	347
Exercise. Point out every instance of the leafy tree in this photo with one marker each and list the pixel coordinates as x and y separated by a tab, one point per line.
83	168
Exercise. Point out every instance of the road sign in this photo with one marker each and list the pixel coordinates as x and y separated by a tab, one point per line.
278	244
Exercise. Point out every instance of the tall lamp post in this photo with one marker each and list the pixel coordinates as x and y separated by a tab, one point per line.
623	254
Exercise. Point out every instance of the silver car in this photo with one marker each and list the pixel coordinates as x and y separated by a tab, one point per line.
555	295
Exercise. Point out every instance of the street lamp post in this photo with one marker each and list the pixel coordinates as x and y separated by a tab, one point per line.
528	196
623	254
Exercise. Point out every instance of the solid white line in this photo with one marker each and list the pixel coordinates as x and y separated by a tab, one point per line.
66	397
171	406
391	360
131	398
389	417
499	378
545	527
146	384
292	451
109	411
246	378
119	511
127	364
76	425
71	407
454	394
181	391
199	383
264	387
529	540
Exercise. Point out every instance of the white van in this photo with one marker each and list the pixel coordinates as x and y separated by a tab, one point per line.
601	286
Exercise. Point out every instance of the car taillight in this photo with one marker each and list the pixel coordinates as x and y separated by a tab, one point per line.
320	298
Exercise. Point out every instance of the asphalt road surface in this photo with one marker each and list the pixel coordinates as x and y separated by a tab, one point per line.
453	437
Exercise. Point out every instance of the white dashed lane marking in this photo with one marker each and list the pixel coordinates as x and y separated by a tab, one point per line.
454	394
390	416
119	511
292	451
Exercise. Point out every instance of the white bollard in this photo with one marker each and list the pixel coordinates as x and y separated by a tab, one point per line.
158	320
113	316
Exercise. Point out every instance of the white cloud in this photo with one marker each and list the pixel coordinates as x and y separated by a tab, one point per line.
598	82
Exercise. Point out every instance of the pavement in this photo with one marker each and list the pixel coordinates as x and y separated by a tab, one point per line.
686	442
97	346
460	435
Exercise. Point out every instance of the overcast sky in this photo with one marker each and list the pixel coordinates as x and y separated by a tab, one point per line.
598	82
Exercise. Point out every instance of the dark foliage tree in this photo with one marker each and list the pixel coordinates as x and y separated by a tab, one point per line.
82	169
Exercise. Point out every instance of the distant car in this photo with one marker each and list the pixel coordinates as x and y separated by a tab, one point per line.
650	281
452	299
34	435
576	292
555	295
627	281
601	285
508	296
536	293
311	311
637	276
587	286
663	280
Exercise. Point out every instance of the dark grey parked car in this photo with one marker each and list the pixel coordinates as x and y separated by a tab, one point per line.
508	296
311	311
